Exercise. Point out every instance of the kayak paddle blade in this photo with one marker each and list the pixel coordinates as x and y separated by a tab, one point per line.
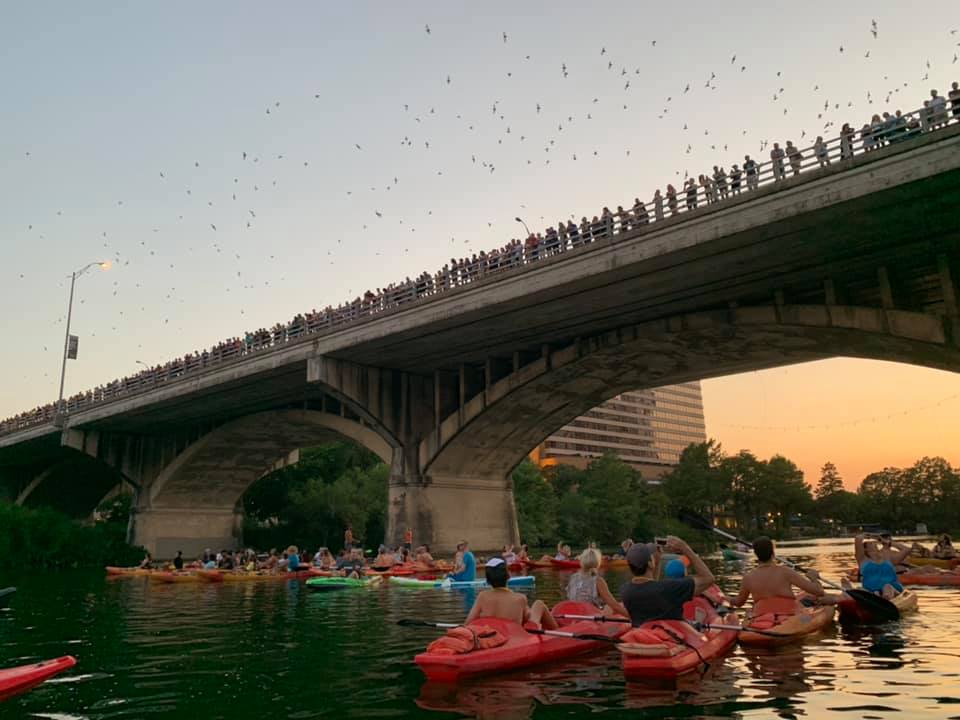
881	608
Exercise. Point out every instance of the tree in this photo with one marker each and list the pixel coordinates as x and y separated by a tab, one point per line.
830	481
536	504
697	482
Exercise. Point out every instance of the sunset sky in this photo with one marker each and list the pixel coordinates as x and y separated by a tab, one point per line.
231	159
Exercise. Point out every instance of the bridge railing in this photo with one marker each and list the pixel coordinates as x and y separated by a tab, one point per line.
721	186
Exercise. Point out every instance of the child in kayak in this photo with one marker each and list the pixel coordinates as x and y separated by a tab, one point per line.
501	602
587	586
772	584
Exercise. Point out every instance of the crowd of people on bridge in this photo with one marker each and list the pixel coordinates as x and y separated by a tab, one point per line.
566	236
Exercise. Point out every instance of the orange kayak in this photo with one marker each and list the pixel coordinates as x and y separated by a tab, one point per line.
171	577
940	579
127	571
229	576
787	618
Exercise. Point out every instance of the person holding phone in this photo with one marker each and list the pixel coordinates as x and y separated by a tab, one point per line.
646	598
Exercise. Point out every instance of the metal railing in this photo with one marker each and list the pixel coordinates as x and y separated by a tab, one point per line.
704	191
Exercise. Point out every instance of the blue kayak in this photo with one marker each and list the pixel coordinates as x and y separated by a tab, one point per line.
447	583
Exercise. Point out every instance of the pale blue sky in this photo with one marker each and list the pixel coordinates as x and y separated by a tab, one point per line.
100	99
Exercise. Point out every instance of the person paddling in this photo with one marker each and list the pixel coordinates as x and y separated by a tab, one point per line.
501	602
770	581
646	598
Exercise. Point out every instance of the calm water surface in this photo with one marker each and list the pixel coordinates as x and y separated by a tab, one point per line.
280	651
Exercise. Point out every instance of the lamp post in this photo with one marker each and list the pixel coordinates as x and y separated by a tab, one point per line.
519	220
104	265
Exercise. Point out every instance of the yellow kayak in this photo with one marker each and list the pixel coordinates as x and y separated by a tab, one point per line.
936	562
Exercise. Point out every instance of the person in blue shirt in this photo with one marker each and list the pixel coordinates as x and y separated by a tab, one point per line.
466	568
293	559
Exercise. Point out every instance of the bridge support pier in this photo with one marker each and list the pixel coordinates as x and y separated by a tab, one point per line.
445	510
164	531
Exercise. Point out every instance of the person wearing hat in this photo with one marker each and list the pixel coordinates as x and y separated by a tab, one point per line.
466	567
501	602
647	598
771	581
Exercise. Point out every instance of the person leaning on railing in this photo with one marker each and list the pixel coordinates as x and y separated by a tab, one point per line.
890	129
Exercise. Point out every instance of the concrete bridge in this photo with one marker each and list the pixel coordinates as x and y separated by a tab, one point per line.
857	259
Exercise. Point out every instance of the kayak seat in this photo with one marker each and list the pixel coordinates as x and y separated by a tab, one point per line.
462	639
770	612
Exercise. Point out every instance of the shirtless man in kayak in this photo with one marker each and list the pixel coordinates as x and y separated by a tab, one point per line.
772	580
501	602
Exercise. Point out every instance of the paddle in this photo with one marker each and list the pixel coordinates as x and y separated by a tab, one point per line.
881	608
410	622
699	626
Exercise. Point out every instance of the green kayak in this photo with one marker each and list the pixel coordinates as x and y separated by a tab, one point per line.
341	583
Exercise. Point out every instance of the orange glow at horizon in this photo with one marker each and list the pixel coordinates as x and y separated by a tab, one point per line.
862	415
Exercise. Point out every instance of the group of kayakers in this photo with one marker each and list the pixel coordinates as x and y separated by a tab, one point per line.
660	584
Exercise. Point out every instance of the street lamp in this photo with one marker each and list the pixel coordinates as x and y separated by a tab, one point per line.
104	265
524	226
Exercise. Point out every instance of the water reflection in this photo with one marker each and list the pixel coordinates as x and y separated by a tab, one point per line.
280	650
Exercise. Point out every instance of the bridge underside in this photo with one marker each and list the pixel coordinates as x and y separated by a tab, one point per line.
857	260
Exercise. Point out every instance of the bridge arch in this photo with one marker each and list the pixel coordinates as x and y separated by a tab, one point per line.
193	502
217	469
498	427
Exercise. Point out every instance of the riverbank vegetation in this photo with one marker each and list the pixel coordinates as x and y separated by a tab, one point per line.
609	500
41	537
311	503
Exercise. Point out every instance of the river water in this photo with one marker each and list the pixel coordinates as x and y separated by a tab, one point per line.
277	650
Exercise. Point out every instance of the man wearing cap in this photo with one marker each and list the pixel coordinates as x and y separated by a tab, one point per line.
501	602
466	568
649	599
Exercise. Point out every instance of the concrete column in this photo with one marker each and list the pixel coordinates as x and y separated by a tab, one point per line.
164	531
445	510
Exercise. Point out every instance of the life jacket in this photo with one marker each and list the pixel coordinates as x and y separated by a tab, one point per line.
772	611
462	639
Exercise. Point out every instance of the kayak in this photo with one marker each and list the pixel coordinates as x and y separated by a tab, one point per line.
14	681
522	649
615	562
565	564
258	576
854	613
169	577
792	620
936	562
669	648
941	578
446	584
342	583
127	571
733	555
399	571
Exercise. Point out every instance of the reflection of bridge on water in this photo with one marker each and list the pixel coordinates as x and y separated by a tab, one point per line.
857	259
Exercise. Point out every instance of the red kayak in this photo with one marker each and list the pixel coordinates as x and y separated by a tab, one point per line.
565	564
14	681
522	649
941	578
669	648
